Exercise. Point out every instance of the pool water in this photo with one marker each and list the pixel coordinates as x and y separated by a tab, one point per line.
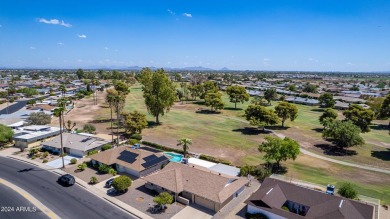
174	157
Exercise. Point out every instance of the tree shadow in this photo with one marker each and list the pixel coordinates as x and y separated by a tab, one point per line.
251	131
100	121
382	155
277	127
320	110
199	102
232	108
152	124
318	130
279	169
331	150
379	127
207	111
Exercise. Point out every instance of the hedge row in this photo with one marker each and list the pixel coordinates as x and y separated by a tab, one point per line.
202	156
161	147
214	159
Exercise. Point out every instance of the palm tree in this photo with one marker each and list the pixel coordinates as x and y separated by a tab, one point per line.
96	82
119	104
111	93
62	89
59	112
185	142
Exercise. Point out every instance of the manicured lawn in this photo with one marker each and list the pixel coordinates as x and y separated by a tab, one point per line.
228	136
323	177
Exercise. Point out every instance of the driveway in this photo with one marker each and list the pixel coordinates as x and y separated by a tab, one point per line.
194	212
57	163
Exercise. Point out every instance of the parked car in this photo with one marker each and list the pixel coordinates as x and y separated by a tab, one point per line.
330	189
67	180
109	183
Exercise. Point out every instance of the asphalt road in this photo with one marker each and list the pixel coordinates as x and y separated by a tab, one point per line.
14	108
13	205
67	202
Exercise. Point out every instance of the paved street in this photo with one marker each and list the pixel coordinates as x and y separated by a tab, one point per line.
67	202
12	205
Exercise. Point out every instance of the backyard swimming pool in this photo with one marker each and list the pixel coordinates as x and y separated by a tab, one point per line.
174	157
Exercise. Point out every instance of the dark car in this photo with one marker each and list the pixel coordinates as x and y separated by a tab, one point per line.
66	180
109	183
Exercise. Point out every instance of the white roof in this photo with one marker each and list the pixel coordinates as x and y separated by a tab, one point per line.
200	162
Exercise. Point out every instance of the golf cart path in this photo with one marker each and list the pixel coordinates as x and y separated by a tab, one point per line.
306	152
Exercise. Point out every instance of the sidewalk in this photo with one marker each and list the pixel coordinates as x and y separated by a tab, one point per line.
135	212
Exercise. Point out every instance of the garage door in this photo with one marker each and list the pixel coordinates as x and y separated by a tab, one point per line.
204	202
75	153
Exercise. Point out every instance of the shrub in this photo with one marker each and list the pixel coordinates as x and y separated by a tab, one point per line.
104	168
347	190
73	161
93	180
33	157
89	128
121	183
285	208
63	155
33	151
213	159
255	216
106	147
112	172
259	172
45	161
133	141
82	166
45	154
92	152
163	199
136	136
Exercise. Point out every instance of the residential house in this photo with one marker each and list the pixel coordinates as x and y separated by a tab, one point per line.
137	162
192	184
281	200
30	136
75	144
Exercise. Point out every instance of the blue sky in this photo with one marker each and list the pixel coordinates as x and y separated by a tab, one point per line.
323	35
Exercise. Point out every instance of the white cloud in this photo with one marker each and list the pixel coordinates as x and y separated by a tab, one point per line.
312	60
83	36
60	44
187	15
171	12
54	21
349	63
1	25
31	47
106	48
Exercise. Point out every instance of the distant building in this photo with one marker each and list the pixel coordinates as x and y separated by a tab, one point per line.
304	101
282	200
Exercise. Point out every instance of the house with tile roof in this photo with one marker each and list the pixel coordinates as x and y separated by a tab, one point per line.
282	200
192	184
137	162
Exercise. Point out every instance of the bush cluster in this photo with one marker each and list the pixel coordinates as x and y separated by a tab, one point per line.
259	172
133	141
45	161
161	147
92	152
214	159
106	147
136	136
73	161
93	180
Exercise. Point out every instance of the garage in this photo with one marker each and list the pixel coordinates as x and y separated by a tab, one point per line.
204	202
76	153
